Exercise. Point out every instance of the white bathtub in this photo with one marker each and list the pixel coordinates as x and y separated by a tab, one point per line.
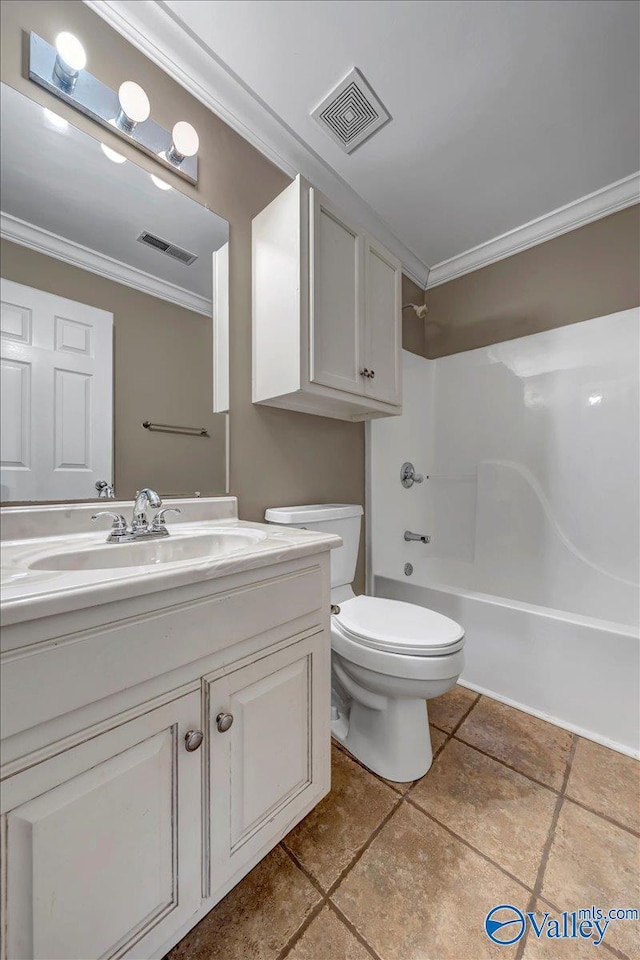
580	673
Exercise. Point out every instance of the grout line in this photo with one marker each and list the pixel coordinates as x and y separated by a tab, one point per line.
546	850
303	869
466	843
304	926
523	942
603	816
334	886
504	763
353	929
603	946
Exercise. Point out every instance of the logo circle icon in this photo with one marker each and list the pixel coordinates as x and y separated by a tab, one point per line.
505	924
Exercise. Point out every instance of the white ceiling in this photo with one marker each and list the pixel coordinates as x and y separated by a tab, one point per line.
501	111
58	179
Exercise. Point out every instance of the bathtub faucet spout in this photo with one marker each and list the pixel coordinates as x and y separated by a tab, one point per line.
420	537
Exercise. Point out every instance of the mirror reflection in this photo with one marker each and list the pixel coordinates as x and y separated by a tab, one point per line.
111	283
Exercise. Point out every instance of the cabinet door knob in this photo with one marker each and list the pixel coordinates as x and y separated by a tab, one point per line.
224	721
364	373
193	739
372	374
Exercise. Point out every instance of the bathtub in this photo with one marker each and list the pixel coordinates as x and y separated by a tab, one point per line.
578	672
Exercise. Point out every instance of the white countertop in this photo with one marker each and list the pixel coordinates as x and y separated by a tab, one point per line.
28	593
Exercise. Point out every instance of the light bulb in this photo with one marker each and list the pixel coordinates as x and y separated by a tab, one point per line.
184	142
55	120
70	60
134	105
160	184
71	52
112	154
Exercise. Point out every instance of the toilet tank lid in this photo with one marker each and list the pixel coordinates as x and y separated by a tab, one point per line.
312	513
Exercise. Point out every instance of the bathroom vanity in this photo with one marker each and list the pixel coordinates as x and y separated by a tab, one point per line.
165	720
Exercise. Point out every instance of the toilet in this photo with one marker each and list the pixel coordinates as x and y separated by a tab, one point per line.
387	656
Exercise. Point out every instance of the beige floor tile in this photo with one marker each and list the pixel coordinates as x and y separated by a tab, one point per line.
327	938
331	835
502	813
532	746
594	862
419	893
446	711
546	948
607	782
257	918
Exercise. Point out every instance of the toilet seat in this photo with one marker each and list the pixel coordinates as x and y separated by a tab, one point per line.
395	627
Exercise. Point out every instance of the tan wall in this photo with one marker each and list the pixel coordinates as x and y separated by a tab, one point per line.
163	360
413	329
277	457
589	272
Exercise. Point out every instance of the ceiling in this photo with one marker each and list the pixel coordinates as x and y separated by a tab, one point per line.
501	111
58	179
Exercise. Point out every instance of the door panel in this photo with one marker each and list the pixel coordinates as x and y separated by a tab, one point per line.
336	299
56	368
383	286
272	756
92	855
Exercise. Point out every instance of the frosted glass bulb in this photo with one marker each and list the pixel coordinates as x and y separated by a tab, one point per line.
185	140
71	52
134	102
112	154
160	184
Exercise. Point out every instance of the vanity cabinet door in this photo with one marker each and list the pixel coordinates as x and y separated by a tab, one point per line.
271	766
102	843
383	330
335	339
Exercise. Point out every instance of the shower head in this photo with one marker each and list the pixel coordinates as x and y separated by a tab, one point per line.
420	309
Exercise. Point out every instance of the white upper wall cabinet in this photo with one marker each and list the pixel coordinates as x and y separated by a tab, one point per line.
326	311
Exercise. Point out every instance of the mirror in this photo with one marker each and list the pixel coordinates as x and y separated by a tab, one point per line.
114	287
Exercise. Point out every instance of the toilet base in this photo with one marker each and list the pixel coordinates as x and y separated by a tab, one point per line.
395	742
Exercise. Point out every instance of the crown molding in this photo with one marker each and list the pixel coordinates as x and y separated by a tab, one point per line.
152	29
616	196
43	241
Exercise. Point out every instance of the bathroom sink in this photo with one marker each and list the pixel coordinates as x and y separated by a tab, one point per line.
172	549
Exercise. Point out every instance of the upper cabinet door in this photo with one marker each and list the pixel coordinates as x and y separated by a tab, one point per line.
382	309
335	327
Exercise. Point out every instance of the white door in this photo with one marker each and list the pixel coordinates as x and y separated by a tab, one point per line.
102	843
273	760
335	299
383	330
56	362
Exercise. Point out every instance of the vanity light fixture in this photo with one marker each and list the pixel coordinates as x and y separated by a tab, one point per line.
60	69
70	60
134	106
112	154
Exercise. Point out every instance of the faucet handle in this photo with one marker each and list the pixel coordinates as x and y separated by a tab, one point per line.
119	522
158	522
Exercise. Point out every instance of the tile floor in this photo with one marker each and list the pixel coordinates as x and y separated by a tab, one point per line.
513	810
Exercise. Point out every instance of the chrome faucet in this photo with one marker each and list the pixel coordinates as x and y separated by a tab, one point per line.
144	497
419	537
141	529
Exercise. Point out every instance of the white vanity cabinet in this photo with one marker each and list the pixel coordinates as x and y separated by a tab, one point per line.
326	311
156	747
102	841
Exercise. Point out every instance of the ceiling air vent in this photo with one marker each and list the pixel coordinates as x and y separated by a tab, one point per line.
351	112
163	246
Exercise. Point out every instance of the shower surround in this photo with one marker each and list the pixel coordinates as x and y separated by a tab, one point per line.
531	450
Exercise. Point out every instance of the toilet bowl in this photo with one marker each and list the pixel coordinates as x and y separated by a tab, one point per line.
387	657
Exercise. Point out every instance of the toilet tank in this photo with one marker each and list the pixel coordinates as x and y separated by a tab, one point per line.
343	519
